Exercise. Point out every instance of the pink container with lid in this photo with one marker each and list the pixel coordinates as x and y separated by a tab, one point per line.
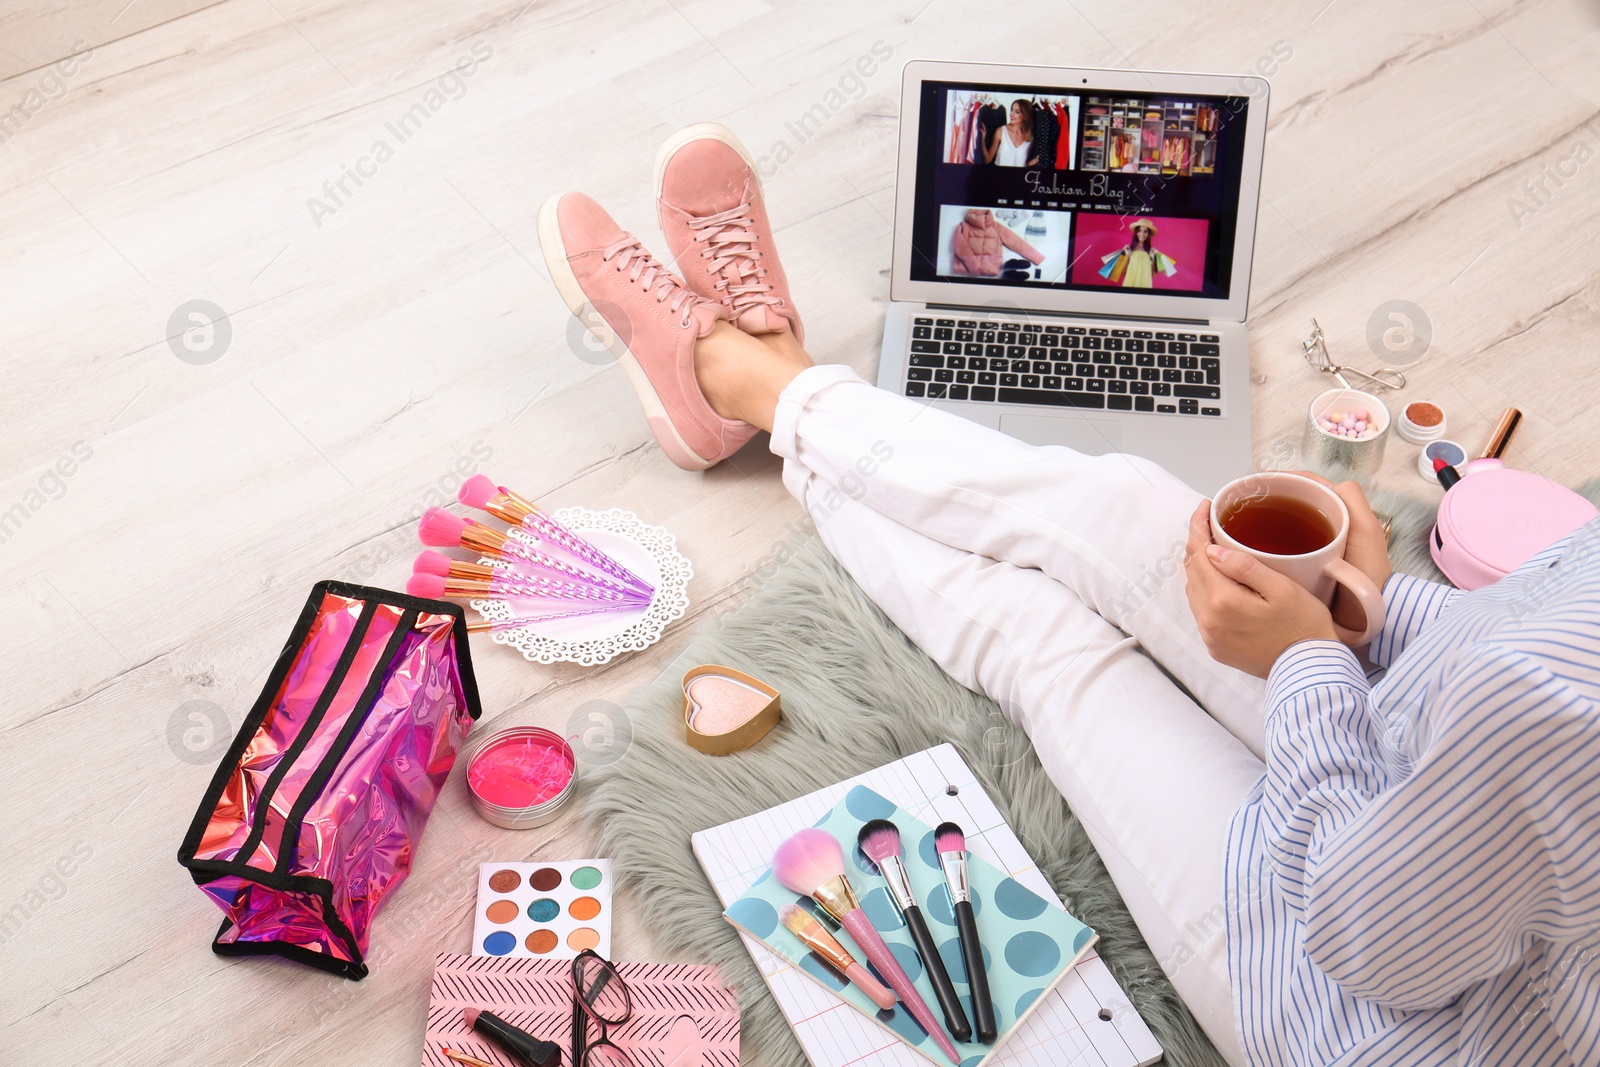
1495	519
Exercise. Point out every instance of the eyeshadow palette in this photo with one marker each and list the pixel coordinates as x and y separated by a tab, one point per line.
543	910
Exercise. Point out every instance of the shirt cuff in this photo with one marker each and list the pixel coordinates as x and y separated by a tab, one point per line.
1409	604
1310	665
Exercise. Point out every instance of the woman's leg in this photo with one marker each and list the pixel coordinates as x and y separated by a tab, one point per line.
1111	528
1153	779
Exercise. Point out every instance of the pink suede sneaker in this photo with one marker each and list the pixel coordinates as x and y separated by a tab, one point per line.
601	270
708	200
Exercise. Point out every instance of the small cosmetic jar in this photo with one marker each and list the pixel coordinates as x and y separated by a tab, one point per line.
727	711
522	777
1452	453
1421	421
1346	429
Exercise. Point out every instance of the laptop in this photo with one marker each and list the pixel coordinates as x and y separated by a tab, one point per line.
1072	253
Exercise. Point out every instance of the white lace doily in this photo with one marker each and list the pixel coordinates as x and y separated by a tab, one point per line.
651	552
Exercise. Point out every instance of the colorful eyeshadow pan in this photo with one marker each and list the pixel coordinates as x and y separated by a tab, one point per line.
504	881
544	910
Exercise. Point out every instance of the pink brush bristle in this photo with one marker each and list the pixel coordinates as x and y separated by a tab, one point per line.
949	838
432	563
807	860
477	491
426	585
441	529
879	839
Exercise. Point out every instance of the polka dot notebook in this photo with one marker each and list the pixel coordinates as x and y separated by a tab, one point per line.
1056	1002
543	910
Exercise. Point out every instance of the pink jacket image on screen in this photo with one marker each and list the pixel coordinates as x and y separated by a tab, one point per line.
975	246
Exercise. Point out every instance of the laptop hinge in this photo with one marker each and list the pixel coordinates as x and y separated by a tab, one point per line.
968	309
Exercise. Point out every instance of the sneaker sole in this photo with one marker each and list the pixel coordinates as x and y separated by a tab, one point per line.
567	284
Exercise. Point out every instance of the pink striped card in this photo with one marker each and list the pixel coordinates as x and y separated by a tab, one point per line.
683	1015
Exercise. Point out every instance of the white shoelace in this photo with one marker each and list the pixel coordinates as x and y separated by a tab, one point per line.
730	250
651	276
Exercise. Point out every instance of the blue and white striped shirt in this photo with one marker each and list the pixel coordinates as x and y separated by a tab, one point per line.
1416	879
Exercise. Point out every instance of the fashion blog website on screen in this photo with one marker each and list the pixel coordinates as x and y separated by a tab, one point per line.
1077	189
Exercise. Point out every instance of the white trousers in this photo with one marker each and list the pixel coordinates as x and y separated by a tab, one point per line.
1053	583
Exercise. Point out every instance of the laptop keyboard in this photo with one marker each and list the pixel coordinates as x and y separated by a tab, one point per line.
1164	372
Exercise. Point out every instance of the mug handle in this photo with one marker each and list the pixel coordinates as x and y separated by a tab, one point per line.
1367	592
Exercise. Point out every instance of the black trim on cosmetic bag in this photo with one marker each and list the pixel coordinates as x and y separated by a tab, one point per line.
278	878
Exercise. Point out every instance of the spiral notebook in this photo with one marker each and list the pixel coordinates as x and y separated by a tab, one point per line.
1084	1019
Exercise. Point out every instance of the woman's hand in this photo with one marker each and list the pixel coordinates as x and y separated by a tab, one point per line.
1248	613
1367	550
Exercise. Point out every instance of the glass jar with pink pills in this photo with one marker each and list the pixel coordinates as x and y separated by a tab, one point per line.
522	777
1345	432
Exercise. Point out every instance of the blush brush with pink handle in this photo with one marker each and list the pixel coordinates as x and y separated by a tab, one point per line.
811	863
480	492
440	529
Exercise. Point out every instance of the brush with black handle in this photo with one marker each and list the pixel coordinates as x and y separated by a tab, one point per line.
951	844
880	840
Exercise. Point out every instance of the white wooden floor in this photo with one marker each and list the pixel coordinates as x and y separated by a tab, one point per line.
166	517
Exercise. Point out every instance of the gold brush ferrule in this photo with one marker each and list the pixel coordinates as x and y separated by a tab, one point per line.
465	587
475	571
480	626
837	897
481	538
507	507
955	876
818	940
527	506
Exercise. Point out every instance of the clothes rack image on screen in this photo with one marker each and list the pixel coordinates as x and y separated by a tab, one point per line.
1010	130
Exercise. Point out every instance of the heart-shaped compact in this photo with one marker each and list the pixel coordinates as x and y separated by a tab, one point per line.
725	710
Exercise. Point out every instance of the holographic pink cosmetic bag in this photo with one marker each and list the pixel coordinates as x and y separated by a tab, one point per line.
312	818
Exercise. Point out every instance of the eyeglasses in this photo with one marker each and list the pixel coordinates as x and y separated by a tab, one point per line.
598	993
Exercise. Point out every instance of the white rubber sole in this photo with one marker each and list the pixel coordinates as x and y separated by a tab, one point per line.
566	282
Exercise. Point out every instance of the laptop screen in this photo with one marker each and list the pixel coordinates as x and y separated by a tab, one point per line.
1037	187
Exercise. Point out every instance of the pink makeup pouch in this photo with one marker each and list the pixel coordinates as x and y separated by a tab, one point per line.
1495	519
314	814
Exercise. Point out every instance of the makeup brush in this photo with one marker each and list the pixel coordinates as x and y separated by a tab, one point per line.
440	529
434	587
522	1046
805	926
811	863
880	841
508	577
481	493
951	844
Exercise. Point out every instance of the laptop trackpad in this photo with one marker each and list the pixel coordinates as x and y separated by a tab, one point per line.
1091	436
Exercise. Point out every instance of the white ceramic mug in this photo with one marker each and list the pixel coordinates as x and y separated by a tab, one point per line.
1320	571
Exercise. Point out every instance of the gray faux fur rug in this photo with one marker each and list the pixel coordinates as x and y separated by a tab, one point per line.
856	695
